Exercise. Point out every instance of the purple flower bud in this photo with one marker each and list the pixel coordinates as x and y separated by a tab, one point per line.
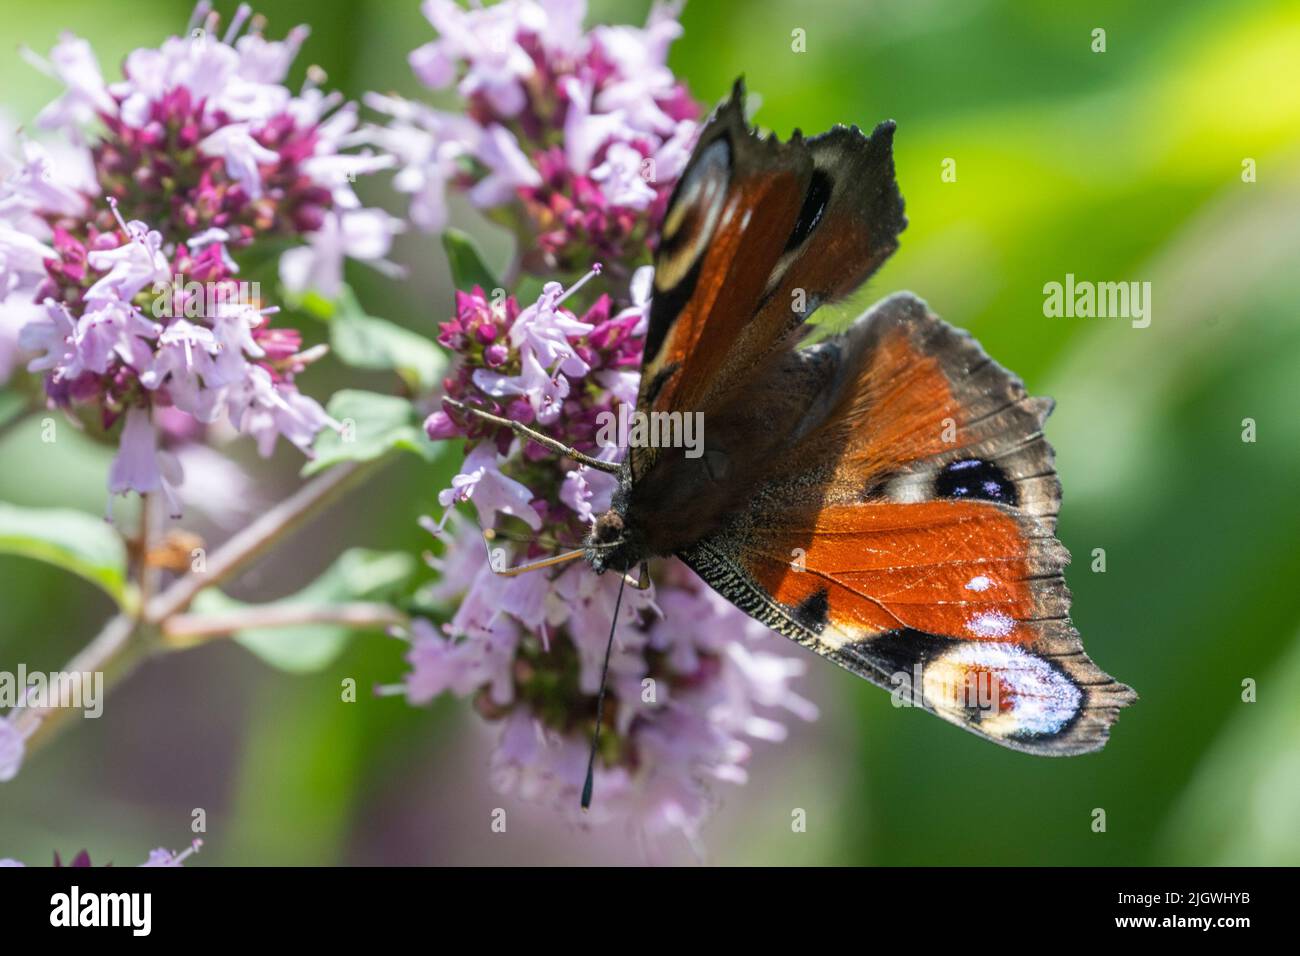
439	426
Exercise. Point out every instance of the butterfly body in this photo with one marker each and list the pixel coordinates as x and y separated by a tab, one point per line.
699	493
884	497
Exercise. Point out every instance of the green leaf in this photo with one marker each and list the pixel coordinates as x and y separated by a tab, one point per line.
73	540
373	425
366	341
312	303
467	267
357	575
11	406
528	290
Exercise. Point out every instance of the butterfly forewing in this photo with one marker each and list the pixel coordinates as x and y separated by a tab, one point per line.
746	213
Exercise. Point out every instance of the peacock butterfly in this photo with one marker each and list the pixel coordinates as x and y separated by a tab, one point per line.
884	497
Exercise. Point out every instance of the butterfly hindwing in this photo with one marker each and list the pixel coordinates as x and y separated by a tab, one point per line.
906	533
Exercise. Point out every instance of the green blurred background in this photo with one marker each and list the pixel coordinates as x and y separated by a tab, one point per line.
1123	165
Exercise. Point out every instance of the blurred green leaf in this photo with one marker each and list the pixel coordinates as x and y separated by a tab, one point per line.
467	267
357	575
528	290
366	341
11	406
312	303
72	540
373	425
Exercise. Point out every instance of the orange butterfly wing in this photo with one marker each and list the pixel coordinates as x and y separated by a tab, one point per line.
906	533
745	220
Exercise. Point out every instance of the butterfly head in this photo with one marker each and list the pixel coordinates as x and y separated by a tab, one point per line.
612	544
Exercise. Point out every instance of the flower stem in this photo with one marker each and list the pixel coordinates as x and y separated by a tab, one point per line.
189	630
115	652
126	640
260	536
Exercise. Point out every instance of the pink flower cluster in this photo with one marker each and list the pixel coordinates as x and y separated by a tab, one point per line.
571	138
523	363
208	153
101	350
690	680
160	857
201	134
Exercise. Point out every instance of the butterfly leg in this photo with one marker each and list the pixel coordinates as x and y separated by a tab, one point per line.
489	535
546	441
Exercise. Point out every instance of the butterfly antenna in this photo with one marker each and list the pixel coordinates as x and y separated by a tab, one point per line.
600	699
523	431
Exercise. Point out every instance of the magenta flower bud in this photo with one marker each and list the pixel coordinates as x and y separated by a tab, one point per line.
439	426
309	218
279	344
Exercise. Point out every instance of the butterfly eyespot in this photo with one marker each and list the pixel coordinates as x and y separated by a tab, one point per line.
814	205
975	479
693	215
1010	692
717	464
